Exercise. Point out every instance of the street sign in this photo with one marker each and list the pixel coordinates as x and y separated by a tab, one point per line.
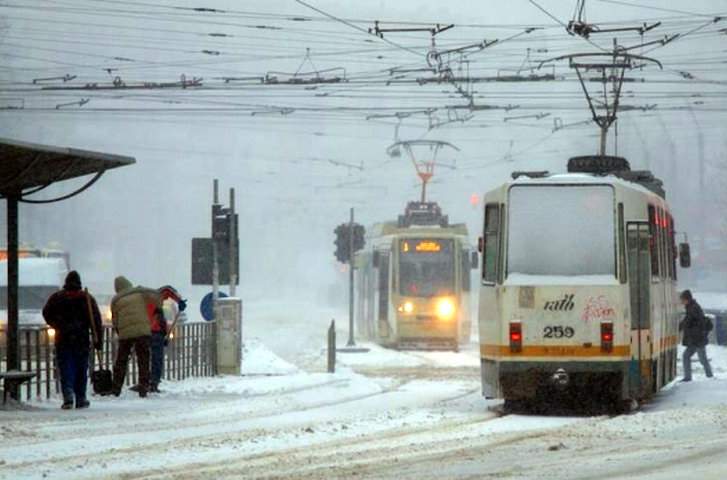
206	307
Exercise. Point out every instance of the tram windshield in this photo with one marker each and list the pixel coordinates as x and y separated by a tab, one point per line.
29	297
561	230
426	267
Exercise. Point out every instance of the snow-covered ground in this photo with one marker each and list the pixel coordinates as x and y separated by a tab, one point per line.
383	414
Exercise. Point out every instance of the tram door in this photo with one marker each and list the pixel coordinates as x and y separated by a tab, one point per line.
639	266
383	297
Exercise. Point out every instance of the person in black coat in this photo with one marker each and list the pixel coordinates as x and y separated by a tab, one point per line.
695	327
66	311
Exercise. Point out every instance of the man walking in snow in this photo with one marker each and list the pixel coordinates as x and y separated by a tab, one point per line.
129	314
67	312
695	327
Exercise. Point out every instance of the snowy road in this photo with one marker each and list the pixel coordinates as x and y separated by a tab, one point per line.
384	414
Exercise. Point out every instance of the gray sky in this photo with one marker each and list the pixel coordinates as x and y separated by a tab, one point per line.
139	221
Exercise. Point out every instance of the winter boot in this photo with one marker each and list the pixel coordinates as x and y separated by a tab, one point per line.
135	388
83	404
67	405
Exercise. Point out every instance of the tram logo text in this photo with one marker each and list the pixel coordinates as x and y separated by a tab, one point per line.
598	308
565	304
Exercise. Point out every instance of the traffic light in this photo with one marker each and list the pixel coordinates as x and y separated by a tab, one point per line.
343	239
358	237
342	243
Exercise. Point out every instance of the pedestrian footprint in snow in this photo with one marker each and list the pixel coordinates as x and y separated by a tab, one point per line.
130	317
70	312
695	327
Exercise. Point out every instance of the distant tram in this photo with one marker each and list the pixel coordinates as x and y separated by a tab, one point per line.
578	289
413	285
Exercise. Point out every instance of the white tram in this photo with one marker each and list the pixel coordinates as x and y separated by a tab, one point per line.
578	286
413	285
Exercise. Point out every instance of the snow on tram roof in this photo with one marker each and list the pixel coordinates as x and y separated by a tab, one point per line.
580	179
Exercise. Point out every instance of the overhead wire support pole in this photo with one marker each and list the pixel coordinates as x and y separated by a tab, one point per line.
233	244
13	349
351	342
215	253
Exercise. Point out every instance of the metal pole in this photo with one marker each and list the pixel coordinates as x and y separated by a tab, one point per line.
215	266
12	337
233	243
351	342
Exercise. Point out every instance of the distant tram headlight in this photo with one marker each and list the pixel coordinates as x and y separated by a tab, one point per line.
406	307
445	308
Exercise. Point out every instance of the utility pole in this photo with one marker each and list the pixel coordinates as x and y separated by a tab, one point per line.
215	266
13	350
233	243
351	342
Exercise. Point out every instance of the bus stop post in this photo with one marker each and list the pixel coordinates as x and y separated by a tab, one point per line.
332	347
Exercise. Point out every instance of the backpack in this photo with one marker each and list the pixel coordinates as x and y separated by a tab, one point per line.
708	326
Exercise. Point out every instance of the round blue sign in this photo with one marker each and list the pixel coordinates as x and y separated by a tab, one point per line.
205	307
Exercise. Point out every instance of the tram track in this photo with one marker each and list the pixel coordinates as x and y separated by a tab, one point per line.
189	438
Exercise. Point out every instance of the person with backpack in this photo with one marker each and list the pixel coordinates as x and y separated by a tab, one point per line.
695	327
130	317
67	312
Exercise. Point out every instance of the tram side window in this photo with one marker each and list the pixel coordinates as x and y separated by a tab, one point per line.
464	266
383	286
672	249
654	244
492	242
664	244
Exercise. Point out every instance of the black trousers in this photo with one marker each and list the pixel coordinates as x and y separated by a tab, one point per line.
141	349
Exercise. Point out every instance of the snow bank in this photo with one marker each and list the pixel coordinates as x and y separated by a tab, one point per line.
257	359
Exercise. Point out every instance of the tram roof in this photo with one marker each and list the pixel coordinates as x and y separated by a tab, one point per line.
581	179
392	228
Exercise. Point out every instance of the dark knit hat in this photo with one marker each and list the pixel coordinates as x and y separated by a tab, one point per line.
686	295
73	281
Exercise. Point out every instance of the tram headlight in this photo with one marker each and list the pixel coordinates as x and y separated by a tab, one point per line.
406	307
445	308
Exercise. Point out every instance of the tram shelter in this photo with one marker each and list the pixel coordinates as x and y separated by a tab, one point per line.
26	169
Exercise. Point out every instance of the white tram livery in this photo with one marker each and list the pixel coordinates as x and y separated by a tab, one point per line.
413	281
578	289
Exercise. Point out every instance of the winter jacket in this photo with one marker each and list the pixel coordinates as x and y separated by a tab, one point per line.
129	309
66	311
694	325
157	322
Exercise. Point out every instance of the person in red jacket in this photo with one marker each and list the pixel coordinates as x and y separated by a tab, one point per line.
159	332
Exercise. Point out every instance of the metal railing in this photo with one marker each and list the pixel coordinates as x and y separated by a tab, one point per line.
191	352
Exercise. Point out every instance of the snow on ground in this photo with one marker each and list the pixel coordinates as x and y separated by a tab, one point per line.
383	414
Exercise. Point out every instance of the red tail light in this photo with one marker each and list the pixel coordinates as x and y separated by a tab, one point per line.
607	336
516	337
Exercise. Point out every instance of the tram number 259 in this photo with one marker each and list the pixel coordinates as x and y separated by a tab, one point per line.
558	331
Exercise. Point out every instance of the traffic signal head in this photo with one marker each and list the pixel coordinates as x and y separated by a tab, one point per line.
342	243
359	232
